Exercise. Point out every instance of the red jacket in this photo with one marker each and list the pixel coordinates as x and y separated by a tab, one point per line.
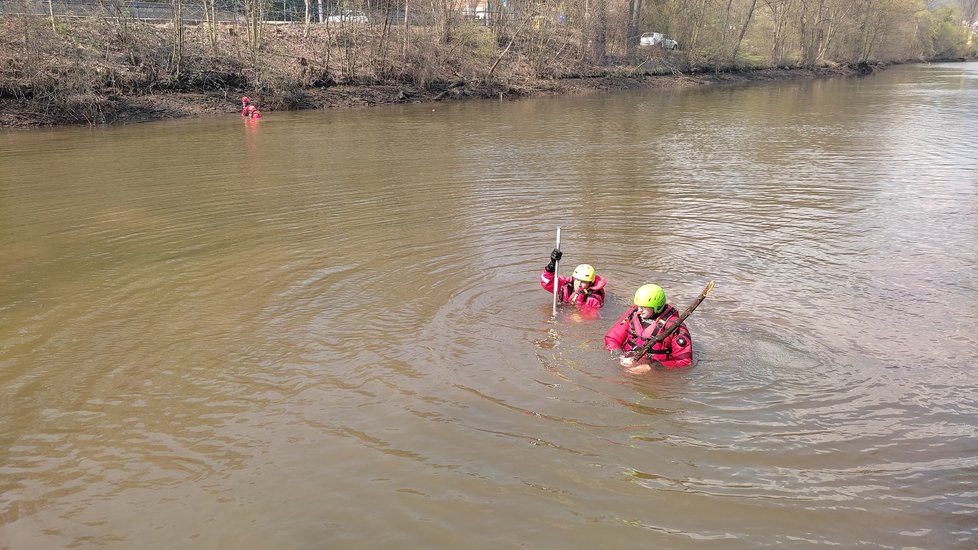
628	333
593	297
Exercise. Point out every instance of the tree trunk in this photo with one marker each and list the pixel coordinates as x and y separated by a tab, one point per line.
210	19
177	37
599	49
51	13
634	15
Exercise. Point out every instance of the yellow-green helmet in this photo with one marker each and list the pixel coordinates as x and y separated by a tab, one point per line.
651	296
584	272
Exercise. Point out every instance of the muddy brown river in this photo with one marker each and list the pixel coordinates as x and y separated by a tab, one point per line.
324	329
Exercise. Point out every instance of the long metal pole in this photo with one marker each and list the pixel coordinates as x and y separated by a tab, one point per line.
556	271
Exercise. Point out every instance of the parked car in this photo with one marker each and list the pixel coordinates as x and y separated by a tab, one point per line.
658	39
348	16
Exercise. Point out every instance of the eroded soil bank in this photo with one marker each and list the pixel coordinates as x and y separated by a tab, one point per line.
98	72
118	108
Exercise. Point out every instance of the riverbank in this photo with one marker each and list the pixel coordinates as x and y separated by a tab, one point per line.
93	74
123	109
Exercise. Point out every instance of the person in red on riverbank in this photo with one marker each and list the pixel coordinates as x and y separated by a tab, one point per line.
252	112
649	315
584	287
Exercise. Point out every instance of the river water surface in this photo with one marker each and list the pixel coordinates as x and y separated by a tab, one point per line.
325	330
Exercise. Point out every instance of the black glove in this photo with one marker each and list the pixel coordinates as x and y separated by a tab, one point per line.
554	258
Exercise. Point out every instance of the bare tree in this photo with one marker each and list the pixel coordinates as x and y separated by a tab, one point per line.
698	15
210	19
448	13
54	27
868	30
407	31
969	8
780	15
255	17
177	57
508	46
812	30
599	38
634	16
743	31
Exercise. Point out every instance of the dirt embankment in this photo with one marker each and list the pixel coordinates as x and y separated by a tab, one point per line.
107	75
123	109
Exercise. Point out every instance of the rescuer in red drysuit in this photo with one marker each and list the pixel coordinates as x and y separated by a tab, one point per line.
245	102
583	287
252	112
643	322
